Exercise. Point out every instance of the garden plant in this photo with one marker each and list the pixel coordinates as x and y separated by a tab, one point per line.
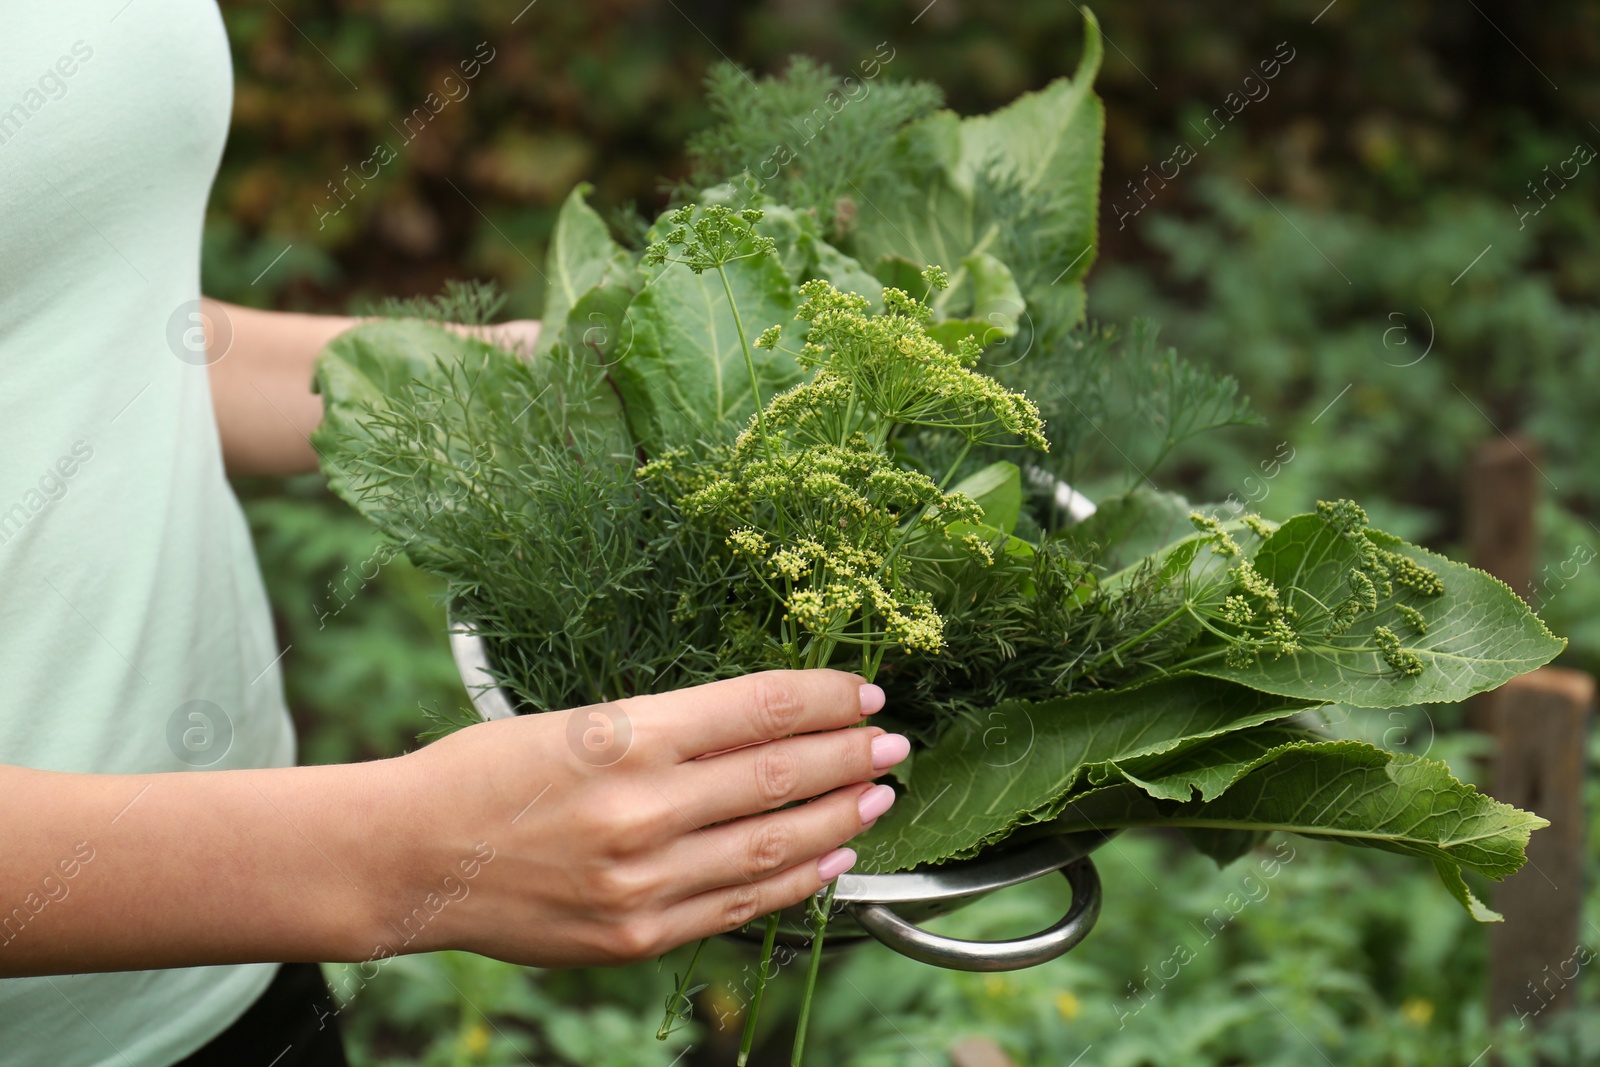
828	413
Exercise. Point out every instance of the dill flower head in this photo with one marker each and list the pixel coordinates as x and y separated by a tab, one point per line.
1265	621
820	526
1379	571
718	237
1413	618
906	377
810	496
1344	516
1212	531
1406	663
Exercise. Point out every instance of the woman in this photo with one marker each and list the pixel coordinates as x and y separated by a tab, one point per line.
162	853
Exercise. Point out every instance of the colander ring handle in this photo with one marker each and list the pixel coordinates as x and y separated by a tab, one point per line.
957	954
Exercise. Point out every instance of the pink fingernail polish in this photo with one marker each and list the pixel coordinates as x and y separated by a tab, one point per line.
889	750
836	863
875	801
872	699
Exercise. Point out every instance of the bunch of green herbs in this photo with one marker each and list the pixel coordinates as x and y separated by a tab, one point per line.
771	439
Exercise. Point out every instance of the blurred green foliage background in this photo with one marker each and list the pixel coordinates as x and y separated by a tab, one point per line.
1316	247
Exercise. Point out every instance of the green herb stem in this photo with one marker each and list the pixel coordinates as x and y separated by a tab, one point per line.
1134	642
679	995
748	1040
960	459
821	913
749	357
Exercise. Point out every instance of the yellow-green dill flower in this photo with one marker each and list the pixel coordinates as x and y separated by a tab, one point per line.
1343	516
747	541
1281	639
1222	543
1257	525
1256	584
1413	575
1413	618
1236	609
1406	663
1362	591
979	546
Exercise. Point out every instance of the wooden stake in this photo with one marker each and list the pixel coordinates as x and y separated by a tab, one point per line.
1540	724
1502	502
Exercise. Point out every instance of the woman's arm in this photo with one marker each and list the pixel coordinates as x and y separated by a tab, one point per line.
261	381
600	835
261	384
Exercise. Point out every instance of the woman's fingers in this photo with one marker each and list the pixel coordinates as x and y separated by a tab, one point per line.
763	777
740	711
751	849
721	910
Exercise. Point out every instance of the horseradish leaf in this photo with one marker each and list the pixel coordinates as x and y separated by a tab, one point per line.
1022	183
1344	791
581	254
1212	767
1015	763
1478	633
684	375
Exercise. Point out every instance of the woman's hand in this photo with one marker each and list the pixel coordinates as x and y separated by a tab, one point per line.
599	835
260	367
615	832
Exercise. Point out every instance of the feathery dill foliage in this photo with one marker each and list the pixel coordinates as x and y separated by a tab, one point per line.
586	585
1102	392
814	140
463	303
596	591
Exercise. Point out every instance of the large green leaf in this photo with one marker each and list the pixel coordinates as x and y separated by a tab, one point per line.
997	489
581	254
684	375
1043	152
1345	791
1479	633
1015	764
1209	768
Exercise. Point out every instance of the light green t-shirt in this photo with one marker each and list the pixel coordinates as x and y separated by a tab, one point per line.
135	634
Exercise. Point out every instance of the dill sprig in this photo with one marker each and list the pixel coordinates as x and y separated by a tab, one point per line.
812	140
834	529
462	303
